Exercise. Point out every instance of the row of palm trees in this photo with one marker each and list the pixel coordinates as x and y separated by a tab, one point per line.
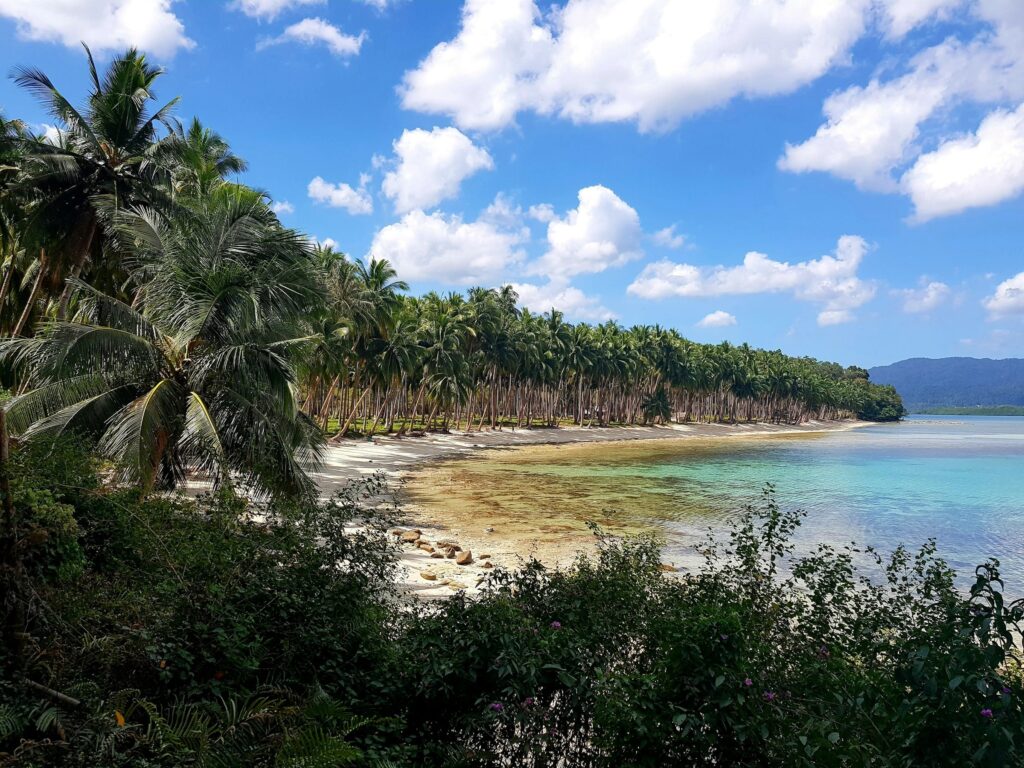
154	305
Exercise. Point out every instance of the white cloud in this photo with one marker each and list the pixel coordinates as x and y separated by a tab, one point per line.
668	238
559	295
380	5
929	296
717	319
543	212
830	280
355	201
282	207
901	16
51	134
654	62
269	9
316	32
980	169
603	231
105	25
1008	298
437	247
869	132
431	166
327	242
879	135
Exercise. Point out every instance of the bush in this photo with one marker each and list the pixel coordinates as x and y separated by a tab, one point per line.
214	632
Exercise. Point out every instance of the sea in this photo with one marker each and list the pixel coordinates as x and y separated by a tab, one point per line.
956	479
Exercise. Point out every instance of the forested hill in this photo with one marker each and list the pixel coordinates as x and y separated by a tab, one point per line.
954	381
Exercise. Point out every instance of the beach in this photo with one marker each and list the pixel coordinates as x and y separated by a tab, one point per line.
400	459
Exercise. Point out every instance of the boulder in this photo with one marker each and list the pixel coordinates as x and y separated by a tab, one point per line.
666	568
485	557
450	554
437	555
426	547
428	576
456	585
488	564
464	558
410	537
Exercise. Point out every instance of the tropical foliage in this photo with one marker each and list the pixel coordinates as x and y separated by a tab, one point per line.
160	308
193	633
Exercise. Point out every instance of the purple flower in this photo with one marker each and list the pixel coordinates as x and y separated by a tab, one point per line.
747	683
556	625
986	713
769	695
529	701
824	652
723	638
1006	690
497	707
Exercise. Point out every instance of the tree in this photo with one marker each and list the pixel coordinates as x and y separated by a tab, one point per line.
195	374
104	158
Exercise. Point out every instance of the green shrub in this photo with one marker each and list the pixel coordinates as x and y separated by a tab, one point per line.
213	632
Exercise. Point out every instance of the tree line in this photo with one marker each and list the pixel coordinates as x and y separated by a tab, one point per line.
152	302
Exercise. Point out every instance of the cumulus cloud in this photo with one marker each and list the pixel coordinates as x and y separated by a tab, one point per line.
105	25
282	207
980	169
653	62
558	294
327	242
668	238
929	296
901	16
603	231
717	319
437	247
1008	298
269	9
355	201
830	280
430	166
319	32
543	212
879	135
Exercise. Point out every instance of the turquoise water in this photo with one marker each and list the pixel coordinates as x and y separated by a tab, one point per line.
959	480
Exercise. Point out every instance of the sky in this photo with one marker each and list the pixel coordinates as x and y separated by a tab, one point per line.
836	178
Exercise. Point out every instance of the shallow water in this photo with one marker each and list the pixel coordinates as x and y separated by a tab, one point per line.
959	480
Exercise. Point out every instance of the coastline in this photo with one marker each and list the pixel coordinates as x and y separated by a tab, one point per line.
399	458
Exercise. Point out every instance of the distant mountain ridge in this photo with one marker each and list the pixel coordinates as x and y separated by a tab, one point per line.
954	381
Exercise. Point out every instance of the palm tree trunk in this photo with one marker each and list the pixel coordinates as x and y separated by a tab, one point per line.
353	413
10	564
32	297
8	279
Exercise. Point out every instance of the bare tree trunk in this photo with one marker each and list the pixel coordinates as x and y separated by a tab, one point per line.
32	297
10	563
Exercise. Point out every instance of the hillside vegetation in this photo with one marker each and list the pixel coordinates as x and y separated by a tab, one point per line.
962	382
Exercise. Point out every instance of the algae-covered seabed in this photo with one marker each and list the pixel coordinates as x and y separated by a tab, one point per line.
538	500
957	480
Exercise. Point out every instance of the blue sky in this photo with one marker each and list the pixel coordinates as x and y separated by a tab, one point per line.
841	179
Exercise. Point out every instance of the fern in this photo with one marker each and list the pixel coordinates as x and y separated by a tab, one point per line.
12	722
312	748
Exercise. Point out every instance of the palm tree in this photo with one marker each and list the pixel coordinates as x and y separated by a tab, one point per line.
194	374
199	159
103	160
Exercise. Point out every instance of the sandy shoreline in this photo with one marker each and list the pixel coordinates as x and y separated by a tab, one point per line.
396	457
